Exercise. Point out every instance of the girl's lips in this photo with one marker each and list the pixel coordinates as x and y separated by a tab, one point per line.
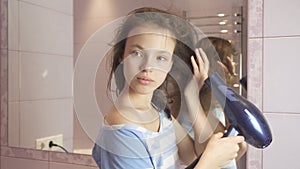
144	80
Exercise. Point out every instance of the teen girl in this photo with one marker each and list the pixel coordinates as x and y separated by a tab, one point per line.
139	130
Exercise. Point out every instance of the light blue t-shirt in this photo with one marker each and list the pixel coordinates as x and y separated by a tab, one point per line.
219	114
130	146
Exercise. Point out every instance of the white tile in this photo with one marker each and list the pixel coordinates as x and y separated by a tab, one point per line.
254	18
280	75
281	18
13	76
45	31
45	118
65	6
13	124
45	76
283	152
13	25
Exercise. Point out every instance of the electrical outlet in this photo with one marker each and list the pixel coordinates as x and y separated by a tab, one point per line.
43	143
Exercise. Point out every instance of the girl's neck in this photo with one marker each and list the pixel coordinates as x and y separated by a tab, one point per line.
137	108
140	102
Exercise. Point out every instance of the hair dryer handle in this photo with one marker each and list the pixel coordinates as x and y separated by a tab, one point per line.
231	131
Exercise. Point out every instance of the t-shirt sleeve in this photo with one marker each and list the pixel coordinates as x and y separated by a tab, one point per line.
118	149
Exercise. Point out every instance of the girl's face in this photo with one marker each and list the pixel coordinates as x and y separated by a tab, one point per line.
147	58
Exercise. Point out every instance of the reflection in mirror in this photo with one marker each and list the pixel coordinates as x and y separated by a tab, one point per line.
224	33
45	40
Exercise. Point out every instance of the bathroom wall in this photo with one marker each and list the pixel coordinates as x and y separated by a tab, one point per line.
281	42
273	38
273	64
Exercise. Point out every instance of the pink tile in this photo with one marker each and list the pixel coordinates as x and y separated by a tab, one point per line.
4	24
18	163
78	159
111	8
254	158
81	139
85	103
54	165
4	96
24	153
254	72
254	93
85	28
77	49
255	18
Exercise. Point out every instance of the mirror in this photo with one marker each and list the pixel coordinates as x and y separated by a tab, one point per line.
44	41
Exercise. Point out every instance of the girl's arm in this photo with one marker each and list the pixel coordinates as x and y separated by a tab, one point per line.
224	149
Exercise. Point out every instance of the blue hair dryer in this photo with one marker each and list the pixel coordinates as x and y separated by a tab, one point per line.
244	117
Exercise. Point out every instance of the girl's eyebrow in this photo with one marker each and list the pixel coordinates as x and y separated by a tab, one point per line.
141	48
137	46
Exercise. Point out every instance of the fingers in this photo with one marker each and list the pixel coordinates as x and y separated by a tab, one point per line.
238	139
195	65
230	65
199	58
219	135
241	139
223	66
204	58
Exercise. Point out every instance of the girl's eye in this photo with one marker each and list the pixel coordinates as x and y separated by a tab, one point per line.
137	53
161	58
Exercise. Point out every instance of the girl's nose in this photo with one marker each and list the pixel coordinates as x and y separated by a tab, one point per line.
147	64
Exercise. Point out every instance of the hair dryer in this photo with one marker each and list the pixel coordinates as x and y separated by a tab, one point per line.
244	117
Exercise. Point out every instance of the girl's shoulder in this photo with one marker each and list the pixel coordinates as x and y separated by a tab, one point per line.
113	117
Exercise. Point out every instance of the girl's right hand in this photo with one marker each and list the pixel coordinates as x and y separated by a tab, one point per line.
220	151
200	66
